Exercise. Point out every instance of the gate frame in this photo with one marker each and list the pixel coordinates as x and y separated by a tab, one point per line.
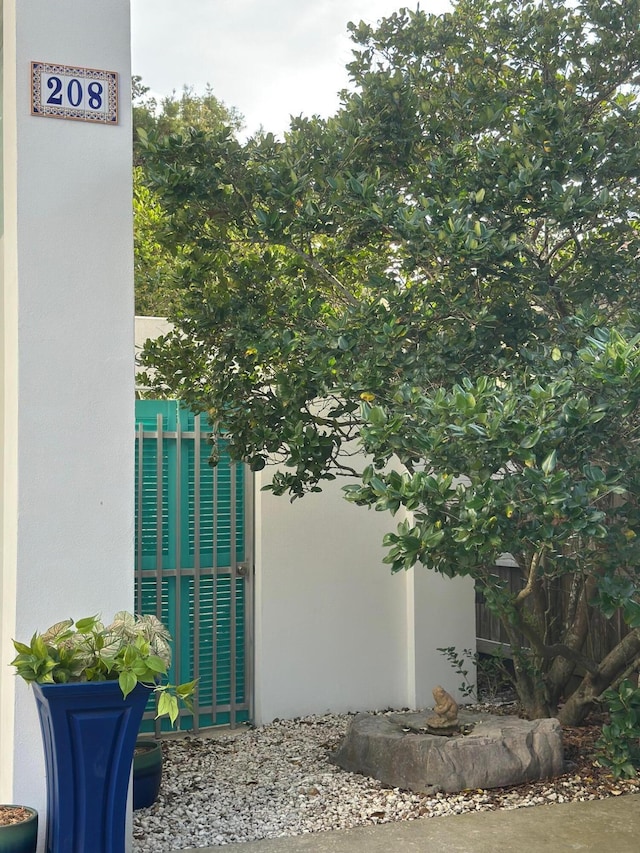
237	569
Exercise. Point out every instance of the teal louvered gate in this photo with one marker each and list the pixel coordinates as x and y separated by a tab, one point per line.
194	567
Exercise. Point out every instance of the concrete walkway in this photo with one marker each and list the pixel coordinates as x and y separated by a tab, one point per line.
601	826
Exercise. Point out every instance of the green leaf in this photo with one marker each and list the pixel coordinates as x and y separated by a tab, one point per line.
167	705
156	664
377	416
39	648
531	440
433	539
127	682
142	672
187	689
628	770
86	625
257	463
549	463
594	473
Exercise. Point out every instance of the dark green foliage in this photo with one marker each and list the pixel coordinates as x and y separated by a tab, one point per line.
461	663
491	671
156	268
620	740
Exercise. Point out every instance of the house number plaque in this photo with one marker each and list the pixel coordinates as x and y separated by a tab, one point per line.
71	92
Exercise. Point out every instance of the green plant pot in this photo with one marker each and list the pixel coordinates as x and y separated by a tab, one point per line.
147	772
20	837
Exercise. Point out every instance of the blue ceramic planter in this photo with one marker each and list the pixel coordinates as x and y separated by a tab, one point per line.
89	732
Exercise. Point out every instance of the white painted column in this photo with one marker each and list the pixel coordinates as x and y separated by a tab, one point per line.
67	354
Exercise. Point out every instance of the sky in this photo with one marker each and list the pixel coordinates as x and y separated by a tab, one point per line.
268	58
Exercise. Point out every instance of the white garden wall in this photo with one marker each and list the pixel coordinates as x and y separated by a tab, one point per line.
334	630
330	620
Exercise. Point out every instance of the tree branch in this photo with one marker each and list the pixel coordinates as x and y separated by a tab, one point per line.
324	273
533	570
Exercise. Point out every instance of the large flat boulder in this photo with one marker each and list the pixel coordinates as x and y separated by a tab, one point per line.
490	752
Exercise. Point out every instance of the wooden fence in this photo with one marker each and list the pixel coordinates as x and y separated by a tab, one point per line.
491	636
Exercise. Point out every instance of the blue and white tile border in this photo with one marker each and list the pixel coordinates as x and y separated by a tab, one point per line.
72	92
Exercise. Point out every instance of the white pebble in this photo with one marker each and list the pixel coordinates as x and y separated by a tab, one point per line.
277	780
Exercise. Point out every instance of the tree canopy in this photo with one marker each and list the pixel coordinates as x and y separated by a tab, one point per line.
154	263
444	275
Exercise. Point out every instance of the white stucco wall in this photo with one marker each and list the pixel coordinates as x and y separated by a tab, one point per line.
329	620
334	630
443	614
149	327
67	354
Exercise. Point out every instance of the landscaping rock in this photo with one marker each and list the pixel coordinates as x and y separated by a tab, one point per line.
496	752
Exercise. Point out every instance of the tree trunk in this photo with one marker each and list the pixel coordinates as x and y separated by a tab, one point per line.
530	689
575	636
580	703
612	667
533	705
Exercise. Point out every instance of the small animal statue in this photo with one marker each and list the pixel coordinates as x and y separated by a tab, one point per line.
446	710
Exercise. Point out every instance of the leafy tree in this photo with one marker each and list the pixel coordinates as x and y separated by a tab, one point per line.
444	275
155	266
176	114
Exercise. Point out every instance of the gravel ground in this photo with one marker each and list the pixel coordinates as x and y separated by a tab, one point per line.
277	780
